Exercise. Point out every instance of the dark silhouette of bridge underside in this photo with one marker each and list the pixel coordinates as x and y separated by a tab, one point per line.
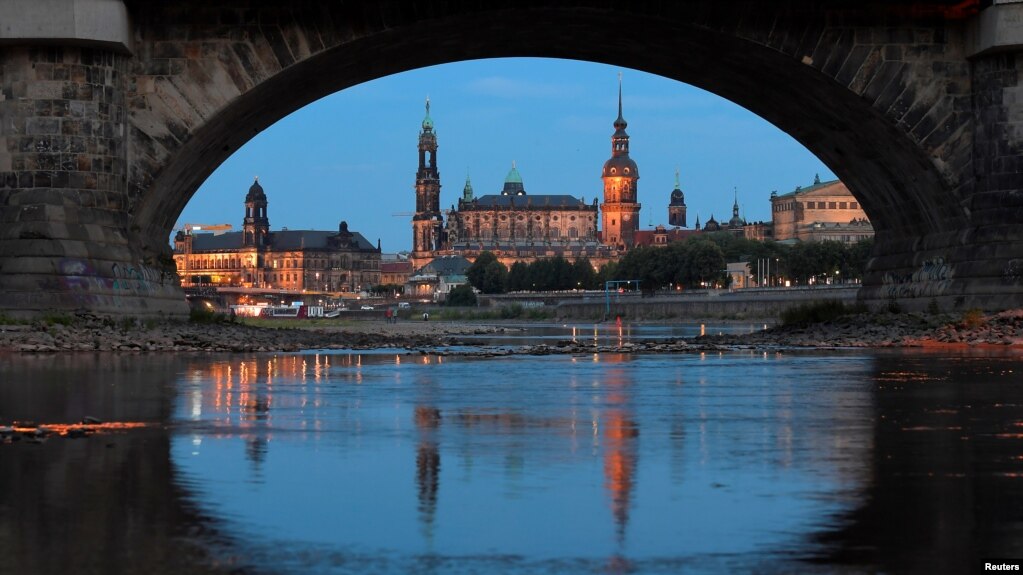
893	97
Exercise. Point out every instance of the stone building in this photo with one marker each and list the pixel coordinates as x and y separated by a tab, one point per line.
515	220
292	260
514	225
823	211
517	226
395	272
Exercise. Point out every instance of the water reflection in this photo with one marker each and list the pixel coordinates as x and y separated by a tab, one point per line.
605	333
500	459
376	462
427	466
107	503
945	487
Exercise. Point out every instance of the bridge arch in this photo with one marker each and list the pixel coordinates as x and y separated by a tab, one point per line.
885	96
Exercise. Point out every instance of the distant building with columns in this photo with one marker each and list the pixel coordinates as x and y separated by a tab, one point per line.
822	211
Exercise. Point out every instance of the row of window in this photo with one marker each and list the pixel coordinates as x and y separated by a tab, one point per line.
519	233
520	218
832	206
789	206
235	263
215	263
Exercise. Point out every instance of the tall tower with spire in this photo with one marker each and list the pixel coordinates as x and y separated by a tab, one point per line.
736	224
620	210
256	225
427	223
677	206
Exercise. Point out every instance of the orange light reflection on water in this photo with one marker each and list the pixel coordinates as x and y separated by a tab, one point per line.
62	429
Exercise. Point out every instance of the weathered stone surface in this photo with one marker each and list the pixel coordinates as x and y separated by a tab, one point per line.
104	148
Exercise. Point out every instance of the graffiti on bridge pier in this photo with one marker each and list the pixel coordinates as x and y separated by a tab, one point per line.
931	279
91	287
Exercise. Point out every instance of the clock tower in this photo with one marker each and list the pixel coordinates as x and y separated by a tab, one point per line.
620	210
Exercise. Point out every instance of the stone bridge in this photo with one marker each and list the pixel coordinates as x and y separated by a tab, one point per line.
113	112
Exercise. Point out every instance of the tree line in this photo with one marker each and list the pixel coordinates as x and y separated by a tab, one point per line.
691	263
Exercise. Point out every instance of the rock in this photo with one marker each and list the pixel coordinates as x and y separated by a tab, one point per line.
91	420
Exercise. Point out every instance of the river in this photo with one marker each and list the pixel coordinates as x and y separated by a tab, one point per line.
386	462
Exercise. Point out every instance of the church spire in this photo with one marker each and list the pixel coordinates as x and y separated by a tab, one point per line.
620	118
467	190
677	187
620	123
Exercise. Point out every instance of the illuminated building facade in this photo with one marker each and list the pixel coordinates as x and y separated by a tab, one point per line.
513	225
292	260
823	211
514	221
621	175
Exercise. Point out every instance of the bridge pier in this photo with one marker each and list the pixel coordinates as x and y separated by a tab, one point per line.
64	208
981	264
111	118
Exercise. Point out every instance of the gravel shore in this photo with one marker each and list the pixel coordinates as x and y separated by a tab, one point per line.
890	330
85	332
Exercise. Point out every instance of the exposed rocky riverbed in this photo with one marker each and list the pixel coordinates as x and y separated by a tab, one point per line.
86	332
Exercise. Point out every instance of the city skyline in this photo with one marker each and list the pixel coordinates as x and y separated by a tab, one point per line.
352	155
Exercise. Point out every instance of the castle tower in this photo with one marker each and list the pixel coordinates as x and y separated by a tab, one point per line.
427	222
677	206
256	225
620	210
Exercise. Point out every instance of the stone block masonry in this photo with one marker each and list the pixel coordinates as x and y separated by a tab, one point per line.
105	135
64	212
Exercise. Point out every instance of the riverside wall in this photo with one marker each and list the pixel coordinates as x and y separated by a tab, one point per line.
748	304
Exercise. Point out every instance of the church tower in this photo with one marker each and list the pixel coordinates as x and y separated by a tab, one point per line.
677	207
256	225
428	222
620	210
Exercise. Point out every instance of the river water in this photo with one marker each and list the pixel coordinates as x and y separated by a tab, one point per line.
387	462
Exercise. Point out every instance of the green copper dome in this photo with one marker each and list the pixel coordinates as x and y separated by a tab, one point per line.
427	121
513	183
513	176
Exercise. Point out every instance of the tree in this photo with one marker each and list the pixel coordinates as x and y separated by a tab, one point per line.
518	277
705	262
607	272
582	272
816	259
477	270
858	256
461	296
495	278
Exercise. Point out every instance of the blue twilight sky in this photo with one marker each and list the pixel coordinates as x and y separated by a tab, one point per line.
353	156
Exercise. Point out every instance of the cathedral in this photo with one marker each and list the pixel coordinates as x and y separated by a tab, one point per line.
518	226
